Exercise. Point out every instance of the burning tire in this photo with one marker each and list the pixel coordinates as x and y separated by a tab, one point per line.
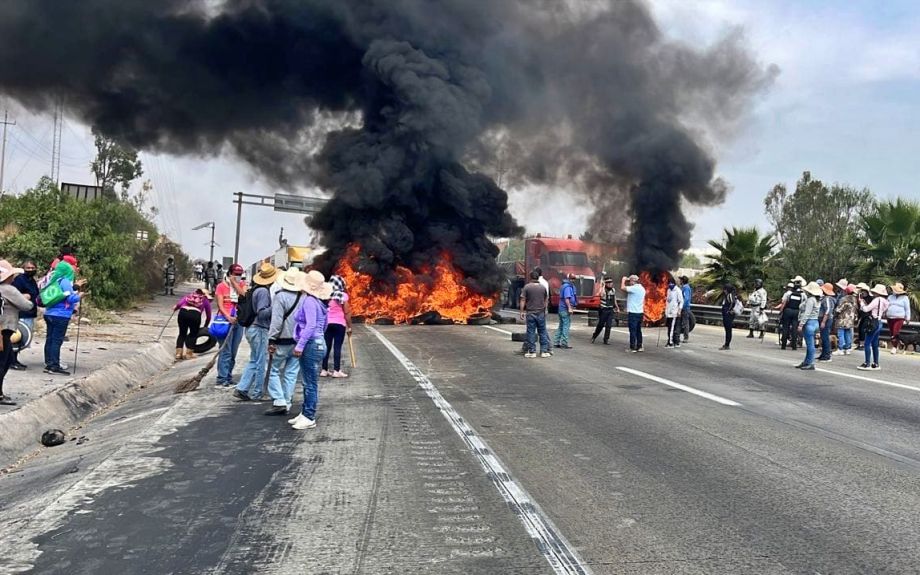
479	319
520	337
384	321
427	318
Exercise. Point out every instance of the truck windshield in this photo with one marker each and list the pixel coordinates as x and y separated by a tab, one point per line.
579	259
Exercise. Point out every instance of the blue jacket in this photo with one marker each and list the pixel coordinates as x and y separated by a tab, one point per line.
25	284
568	293
688	293
64	308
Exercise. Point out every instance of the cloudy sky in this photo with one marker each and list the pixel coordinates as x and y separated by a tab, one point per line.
846	106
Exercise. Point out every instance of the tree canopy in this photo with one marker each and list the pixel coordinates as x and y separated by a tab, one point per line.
742	256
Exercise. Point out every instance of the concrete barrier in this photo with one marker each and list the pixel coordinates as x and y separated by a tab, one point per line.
21	430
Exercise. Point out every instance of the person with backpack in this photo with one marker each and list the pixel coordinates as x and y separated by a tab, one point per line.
254	313
13	302
284	366
190	309
731	308
568	301
228	294
61	301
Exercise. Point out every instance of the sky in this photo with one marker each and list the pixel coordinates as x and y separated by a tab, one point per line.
845	106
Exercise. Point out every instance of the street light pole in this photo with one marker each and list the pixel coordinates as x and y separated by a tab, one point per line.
212	226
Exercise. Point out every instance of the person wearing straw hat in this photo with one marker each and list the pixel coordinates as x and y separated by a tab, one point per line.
26	284
190	309
845	315
808	323
826	320
875	310
284	366
898	314
13	302
862	296
260	303
309	331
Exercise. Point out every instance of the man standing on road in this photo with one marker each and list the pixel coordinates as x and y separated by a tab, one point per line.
605	315
228	295
826	320
210	278
789	314
673	306
250	386
281	342
533	309
635	310
687	292
758	301
169	276
199	270
567	303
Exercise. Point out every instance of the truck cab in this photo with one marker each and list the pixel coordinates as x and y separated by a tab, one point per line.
558	257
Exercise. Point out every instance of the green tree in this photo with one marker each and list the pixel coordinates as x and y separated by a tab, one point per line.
817	226
119	266
742	257
890	248
115	165
691	261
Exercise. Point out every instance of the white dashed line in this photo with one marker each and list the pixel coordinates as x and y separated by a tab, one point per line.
674	384
504	331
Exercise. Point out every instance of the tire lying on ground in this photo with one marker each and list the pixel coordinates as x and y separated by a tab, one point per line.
207	345
480	319
521	336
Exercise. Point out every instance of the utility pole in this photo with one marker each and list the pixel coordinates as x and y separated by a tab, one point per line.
208	225
56	141
239	216
6	122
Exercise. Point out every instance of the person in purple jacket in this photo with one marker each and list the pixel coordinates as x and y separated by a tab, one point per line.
309	332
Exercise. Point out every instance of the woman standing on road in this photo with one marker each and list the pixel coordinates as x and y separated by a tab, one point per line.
309	331
13	302
875	310
898	313
190	309
57	315
729	298
808	323
337	326
845	320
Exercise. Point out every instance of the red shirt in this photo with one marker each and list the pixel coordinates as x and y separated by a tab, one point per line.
227	296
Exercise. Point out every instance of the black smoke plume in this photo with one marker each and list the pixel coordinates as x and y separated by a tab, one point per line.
397	108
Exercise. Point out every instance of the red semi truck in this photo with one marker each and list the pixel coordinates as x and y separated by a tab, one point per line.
557	257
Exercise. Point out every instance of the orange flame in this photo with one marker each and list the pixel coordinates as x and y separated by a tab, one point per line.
412	296
656	296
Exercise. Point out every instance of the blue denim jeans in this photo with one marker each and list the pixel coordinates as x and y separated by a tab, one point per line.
254	373
826	340
283	376
310	359
54	339
536	324
635	330
845	338
871	344
565	324
808	332
227	358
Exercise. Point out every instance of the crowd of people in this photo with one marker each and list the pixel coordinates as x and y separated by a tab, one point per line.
811	314
295	322
22	295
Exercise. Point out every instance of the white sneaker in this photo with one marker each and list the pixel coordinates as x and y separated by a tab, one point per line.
304	424
839	352
324	373
297	419
894	351
546	354
846	352
339	374
530	354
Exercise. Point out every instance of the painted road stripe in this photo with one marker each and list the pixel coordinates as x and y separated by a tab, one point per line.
680	386
552	545
504	331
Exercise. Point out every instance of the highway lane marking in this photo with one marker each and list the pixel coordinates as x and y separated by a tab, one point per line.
504	331
852	375
557	551
674	384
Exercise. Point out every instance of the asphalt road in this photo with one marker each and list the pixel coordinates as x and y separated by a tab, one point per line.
447	453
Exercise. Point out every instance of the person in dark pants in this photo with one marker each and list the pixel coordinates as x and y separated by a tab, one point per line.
729	298
673	305
789	315
635	310
826	309
58	315
687	292
533	308
14	302
608	308
26	285
190	309
338	325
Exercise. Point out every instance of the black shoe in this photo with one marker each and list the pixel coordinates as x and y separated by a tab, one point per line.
593	339
277	410
761	335
565	346
557	346
750	335
6	400
686	339
18	366
669	344
606	342
56	371
241	395
800	366
810	367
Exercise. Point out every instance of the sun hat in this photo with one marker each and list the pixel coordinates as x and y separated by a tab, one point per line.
291	280
314	283
266	275
898	289
7	270
812	289
862	286
828	289
790	285
633	278
843	283
798	280
880	289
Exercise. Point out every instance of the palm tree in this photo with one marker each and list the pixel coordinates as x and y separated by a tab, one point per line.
742	257
890	251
